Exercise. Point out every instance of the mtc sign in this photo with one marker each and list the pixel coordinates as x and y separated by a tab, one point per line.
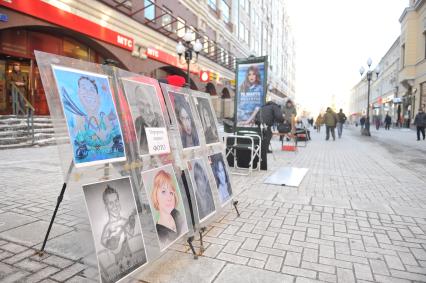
125	41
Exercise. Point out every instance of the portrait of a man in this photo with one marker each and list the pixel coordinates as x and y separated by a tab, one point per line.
116	228
91	116
146	110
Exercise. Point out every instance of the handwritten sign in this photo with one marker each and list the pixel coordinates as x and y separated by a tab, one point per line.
158	142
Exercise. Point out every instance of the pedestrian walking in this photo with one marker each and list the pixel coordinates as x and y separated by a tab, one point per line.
420	122
330	121
318	122
388	121
362	122
377	123
341	119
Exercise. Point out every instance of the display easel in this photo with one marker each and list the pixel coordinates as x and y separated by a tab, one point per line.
58	203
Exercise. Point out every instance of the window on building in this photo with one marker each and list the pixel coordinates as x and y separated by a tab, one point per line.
166	19
212	49
246	36
225	11
241	31
180	27
206	44
424	42
150	10
403	56
212	4
243	3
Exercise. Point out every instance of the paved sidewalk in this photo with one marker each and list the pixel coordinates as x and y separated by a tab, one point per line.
358	216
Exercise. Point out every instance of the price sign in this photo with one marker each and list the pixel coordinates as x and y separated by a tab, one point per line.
158	142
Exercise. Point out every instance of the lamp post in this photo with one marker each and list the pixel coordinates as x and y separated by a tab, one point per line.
186	49
366	130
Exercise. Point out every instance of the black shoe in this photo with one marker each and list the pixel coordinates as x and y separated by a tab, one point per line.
269	151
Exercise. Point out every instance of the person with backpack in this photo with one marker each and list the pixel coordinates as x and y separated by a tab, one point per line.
341	119
330	121
420	122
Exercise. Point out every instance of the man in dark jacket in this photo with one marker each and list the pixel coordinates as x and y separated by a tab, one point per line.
420	122
269	114
341	119
330	121
388	121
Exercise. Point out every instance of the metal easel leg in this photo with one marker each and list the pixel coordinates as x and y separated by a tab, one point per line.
189	241
234	203
202	230
58	202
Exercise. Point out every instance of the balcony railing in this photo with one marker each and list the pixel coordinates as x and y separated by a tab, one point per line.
171	25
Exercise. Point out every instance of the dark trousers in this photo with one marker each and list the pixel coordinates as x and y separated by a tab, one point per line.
422	130
267	136
329	129
387	126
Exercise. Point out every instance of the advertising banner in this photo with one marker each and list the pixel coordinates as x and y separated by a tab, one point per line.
251	74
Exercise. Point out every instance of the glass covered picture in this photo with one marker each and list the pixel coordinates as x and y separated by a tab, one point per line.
166	204
144	101
221	176
202	189
91	117
207	120
185	120
116	228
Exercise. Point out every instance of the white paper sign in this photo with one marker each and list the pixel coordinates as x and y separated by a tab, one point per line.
158	141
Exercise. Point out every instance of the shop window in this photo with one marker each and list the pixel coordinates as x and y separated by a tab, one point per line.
150	10
14	41
76	50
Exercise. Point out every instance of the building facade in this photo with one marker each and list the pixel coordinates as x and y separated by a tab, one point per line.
400	88
412	74
142	37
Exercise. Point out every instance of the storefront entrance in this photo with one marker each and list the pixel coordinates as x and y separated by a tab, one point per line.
33	89
17	48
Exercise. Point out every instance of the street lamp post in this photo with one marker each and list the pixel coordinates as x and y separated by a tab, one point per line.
366	130
187	49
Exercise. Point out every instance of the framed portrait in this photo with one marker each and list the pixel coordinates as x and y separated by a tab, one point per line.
167	208
116	229
184	119
202	189
91	117
207	118
144	97
221	176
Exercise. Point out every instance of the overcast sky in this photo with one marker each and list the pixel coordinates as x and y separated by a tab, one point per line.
334	38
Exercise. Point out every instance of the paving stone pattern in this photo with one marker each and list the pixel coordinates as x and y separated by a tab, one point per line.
358	216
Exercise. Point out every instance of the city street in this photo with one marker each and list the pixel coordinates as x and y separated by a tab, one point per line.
359	215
